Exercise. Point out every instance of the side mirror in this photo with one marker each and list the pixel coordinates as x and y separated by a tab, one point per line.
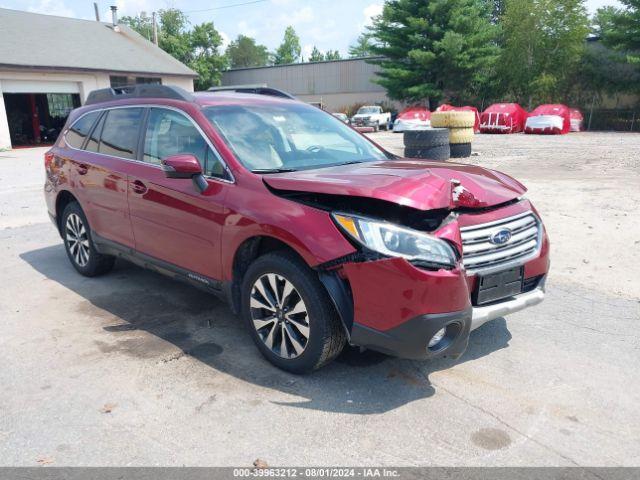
183	165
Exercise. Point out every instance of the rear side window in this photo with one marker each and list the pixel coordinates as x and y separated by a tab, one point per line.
80	129
170	133
94	138
120	132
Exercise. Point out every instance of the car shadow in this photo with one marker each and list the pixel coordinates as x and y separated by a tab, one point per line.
131	301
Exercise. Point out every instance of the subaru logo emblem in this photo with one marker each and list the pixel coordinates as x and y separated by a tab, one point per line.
501	237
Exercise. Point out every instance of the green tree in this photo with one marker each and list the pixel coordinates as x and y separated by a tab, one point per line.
603	21
289	50
434	48
196	47
362	47
245	52
141	23
316	55
496	7
603	72
620	29
544	43
332	55
205	57
173	34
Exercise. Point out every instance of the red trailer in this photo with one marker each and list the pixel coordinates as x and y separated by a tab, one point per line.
577	120
554	119
446	107
503	118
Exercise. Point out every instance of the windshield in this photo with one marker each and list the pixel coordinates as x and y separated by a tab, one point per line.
362	110
286	137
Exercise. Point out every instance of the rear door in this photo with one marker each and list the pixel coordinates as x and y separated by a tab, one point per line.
172	221
101	172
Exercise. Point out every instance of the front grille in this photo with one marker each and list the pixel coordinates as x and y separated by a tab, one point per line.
481	254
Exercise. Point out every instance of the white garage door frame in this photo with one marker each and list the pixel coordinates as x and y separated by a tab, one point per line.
38	86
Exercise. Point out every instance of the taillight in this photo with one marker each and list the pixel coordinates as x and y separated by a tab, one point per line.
48	158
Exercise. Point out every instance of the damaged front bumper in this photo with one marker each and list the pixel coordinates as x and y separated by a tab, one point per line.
396	308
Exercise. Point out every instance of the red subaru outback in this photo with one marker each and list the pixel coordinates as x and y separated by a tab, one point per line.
317	236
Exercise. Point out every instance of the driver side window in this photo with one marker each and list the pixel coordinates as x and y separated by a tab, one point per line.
171	133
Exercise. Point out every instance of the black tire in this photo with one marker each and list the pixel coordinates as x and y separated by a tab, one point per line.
460	150
84	257
438	154
326	334
420	139
376	127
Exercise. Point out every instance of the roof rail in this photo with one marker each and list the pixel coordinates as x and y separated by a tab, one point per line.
138	91
257	89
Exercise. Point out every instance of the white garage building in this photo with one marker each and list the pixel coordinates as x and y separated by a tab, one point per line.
48	65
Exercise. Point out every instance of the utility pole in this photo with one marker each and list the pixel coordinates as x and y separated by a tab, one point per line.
155	28
95	8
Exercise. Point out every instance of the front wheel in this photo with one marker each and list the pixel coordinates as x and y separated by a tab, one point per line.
79	246
289	314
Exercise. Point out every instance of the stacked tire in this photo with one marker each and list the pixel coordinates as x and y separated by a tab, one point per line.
430	144
460	125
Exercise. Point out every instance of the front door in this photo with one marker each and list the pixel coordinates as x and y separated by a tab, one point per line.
172	221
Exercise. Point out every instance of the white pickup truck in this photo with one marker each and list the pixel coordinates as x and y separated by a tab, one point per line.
371	116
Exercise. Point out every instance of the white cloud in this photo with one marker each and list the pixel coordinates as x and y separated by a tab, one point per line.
225	40
306	51
303	15
370	11
245	29
128	7
52	7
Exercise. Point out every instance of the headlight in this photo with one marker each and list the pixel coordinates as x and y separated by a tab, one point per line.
396	241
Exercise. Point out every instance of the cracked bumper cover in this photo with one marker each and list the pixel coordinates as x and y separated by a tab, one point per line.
398	307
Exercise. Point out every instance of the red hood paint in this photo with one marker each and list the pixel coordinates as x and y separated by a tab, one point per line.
418	184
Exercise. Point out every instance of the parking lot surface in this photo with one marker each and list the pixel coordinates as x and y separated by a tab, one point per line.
136	369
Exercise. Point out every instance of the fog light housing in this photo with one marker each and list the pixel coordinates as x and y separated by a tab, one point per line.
437	337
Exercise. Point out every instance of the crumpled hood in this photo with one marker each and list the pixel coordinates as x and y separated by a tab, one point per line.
418	184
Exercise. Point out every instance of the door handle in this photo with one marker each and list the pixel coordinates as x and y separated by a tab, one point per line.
138	187
82	169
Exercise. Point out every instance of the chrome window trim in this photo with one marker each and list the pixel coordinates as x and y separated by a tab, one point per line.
232	179
512	263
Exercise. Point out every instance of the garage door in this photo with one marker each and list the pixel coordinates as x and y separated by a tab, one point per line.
38	86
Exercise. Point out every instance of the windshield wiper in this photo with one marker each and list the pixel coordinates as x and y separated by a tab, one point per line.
273	170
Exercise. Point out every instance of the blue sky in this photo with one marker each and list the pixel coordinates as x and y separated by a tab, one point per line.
328	24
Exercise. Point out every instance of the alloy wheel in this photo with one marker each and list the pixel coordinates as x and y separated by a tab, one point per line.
279	315
77	239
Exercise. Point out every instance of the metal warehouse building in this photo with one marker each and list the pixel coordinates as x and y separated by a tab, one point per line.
334	84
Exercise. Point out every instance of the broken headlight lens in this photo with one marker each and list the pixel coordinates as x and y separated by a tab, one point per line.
396	241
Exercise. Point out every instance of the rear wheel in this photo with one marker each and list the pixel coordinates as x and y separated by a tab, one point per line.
81	251
289	314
